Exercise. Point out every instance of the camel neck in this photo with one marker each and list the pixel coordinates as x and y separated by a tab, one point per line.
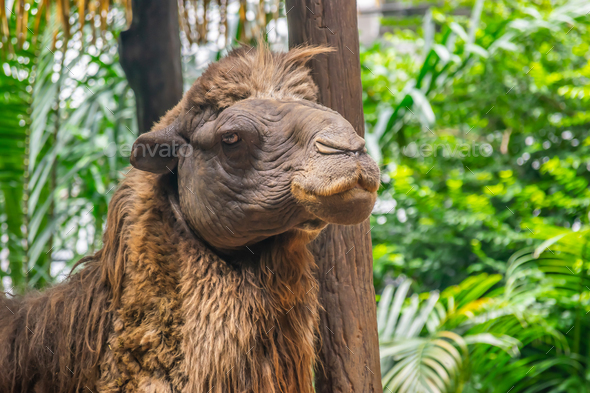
206	325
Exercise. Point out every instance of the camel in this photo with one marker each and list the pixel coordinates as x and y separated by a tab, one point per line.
204	283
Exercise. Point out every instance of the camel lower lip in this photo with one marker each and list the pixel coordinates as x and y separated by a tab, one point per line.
351	206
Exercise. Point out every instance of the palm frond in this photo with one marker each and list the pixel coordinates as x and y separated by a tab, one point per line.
70	160
476	333
14	132
420	350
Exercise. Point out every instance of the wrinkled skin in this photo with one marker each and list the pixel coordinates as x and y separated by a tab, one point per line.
271	166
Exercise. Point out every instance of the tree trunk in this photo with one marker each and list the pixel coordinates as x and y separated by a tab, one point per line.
149	52
349	350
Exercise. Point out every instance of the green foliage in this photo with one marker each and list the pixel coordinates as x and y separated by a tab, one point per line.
74	161
76	109
525	331
418	353
15	99
480	126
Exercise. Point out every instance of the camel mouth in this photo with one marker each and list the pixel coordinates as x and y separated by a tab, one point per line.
356	186
340	187
340	191
348	206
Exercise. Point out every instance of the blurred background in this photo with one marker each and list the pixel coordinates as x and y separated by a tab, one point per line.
476	111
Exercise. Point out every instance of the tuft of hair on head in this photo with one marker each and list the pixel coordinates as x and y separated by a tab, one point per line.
256	72
301	54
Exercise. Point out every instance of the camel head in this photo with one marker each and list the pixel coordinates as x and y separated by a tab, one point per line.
255	156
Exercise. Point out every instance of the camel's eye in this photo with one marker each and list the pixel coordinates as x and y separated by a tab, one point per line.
231	138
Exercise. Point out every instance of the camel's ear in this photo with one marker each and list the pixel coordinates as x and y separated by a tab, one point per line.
157	151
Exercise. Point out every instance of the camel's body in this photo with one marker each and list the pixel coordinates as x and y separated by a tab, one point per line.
157	310
182	320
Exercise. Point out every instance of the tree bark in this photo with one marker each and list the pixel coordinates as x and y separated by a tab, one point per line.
349	349
149	52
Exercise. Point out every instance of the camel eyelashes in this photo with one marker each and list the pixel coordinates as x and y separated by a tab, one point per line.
231	138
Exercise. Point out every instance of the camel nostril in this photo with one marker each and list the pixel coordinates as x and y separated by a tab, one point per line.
326	146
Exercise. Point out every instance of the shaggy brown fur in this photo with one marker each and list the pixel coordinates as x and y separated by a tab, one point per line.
155	310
